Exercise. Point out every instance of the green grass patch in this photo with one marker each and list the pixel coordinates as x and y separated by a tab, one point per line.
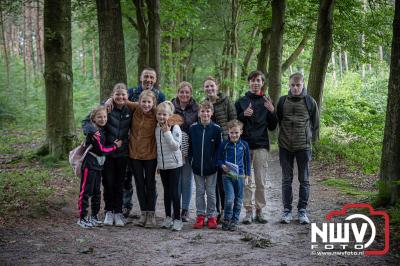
346	187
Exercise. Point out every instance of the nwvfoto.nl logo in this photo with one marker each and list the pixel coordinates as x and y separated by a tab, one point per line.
355	232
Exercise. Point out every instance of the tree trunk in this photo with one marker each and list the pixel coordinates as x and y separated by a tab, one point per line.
322	50
154	31
111	46
346	62
83	52
58	77
340	64
5	50
143	43
299	49
390	167
249	53
94	64
275	58
333	68
39	36
262	57
234	46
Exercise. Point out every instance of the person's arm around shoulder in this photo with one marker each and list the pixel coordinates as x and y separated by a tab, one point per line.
132	105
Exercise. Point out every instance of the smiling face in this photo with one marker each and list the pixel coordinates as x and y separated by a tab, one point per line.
234	133
100	119
210	88
205	115
120	96
163	115
146	103
148	78
184	95
296	85
255	84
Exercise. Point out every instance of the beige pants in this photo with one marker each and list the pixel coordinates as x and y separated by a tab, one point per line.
257	182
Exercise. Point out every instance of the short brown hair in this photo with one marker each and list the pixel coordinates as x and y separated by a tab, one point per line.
234	123
254	74
296	76
206	105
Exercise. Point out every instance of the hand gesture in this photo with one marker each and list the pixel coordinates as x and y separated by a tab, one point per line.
225	168
268	104
248	111
109	104
118	142
165	127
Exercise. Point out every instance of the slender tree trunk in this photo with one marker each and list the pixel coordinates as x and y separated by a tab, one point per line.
333	69
322	50
249	53
275	58
143	43
390	167
39	36
380	53
111	46
262	57
154	32
234	46
83	53
32	61
341	64
94	64
5	50
346	62
58	77
25	55
299	49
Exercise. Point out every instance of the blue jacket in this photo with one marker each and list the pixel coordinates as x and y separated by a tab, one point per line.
134	93
203	145
237	153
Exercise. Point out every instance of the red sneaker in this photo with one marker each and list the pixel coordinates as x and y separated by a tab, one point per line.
199	222
212	223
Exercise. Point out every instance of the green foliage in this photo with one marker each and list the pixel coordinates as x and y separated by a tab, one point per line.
345	186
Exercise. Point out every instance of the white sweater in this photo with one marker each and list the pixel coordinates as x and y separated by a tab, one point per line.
169	155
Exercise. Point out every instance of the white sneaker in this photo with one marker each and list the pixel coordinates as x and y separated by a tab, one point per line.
94	219
286	217
119	219
177	226
109	219
303	219
167	223
84	223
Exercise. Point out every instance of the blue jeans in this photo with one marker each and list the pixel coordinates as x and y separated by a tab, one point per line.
233	198
185	184
303	159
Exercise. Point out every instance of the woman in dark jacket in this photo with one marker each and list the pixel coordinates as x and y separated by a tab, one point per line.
187	107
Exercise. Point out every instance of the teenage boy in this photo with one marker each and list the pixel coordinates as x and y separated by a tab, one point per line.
148	79
256	111
234	159
298	123
204	139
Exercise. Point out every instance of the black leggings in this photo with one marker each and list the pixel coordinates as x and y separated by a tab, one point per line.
144	172
170	180
89	189
113	178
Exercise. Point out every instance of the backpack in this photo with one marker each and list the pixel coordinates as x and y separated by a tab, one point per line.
76	157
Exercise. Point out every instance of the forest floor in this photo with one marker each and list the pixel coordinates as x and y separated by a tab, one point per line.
54	238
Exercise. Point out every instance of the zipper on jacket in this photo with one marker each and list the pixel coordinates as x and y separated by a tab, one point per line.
162	155
202	150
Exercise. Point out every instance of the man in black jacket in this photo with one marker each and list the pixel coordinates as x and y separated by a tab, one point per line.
258	115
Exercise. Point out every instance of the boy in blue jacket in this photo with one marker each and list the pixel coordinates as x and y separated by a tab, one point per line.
234	159
204	140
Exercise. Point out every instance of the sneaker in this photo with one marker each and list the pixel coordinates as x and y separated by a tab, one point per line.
261	217
185	216
248	219
94	219
177	225
212	223
125	212
109	219
199	224
151	220
220	217
233	226
225	225
142	220
84	223
286	216
119	219
167	223
303	219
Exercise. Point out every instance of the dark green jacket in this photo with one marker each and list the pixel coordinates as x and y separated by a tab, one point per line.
224	111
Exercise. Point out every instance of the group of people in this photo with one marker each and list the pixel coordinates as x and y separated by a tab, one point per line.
216	142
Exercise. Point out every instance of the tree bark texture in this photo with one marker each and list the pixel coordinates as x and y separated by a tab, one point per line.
390	167
143	43
154	32
275	58
262	57
299	49
58	77
249	53
5	50
322	50
111	46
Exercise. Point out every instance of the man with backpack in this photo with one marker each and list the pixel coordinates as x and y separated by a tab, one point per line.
298	126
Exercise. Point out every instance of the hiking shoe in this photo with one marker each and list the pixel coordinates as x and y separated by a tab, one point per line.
177	225
220	217
199	224
151	220
142	220
303	219
233	226
185	216
84	223
125	212
261	217
225	225
286	216
109	219
212	223
94	219
167	223
119	219
248	219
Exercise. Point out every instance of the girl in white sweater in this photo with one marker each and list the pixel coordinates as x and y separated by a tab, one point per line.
169	160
